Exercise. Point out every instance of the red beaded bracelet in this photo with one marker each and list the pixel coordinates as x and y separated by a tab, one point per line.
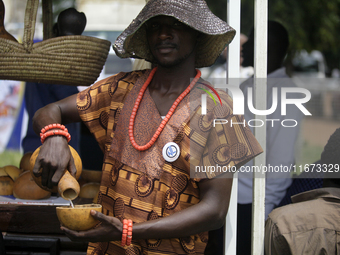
127	232
43	136
124	232
53	126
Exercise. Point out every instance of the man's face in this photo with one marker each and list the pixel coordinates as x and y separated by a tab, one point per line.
171	42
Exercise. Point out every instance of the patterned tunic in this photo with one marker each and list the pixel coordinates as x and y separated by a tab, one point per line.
141	185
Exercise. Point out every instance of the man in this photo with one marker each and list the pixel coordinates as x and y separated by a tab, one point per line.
248	71
280	138
37	95
154	136
219	70
311	224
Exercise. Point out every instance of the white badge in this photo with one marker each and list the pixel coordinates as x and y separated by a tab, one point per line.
171	152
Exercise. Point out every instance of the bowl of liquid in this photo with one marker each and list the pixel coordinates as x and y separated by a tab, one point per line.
78	217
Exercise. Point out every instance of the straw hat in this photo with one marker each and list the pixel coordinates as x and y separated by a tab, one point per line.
132	43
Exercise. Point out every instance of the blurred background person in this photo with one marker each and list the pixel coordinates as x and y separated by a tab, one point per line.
310	225
37	95
280	145
245	71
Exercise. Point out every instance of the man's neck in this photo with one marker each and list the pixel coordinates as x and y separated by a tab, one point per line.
168	83
172	80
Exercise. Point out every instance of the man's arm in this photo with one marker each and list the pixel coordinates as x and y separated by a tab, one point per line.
64	111
208	214
55	156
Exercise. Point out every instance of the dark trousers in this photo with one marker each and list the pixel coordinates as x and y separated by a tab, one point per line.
244	216
2	245
215	242
216	237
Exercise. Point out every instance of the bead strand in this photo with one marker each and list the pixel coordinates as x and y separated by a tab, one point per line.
53	126
127	232
43	136
167	117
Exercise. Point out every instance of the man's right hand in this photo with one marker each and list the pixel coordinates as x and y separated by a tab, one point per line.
54	157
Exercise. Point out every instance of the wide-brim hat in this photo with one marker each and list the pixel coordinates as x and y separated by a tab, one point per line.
217	34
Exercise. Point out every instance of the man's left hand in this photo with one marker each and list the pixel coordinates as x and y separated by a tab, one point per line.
109	229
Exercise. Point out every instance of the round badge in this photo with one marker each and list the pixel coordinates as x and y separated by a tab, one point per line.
171	152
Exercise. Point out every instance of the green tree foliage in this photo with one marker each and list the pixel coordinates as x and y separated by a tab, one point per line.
312	25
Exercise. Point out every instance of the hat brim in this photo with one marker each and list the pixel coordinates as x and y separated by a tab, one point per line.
216	33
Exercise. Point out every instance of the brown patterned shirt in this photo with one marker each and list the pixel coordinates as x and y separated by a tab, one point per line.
141	185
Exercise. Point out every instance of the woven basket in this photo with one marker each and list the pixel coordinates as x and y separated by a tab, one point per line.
70	60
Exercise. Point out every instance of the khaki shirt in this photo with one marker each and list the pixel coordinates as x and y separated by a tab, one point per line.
311	225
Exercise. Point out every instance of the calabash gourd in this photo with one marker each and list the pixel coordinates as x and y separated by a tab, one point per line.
26	188
77	162
6	186
89	190
25	161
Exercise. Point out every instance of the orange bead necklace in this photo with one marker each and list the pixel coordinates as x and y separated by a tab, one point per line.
167	117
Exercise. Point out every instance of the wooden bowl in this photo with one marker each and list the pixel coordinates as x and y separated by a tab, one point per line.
79	217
